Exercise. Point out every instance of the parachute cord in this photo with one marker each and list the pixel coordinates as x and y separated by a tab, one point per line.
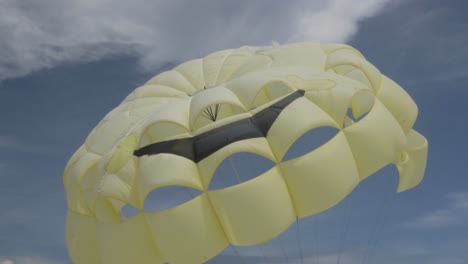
239	180
210	113
282	250
299	243
346	220
238	255
217	111
263	254
317	256
312	243
190	194
378	222
382	225
234	169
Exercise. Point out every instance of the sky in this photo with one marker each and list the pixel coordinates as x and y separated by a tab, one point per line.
65	64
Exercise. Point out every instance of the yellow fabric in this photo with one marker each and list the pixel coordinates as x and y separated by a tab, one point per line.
73	182
128	242
243	209
156	91
173	79
104	174
81	238
119	185
122	154
336	101
376	140
318	84
254	63
169	122
211	97
304	55
230	62
106	213
303	116
322	178
399	103
106	134
189	233
74	159
208	166
89	184
248	87
412	164
171	170
370	72
193	72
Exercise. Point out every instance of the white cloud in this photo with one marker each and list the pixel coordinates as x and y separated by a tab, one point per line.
10	142
456	213
338	21
333	258
432	41
42	34
29	260
7	141
18	216
322	258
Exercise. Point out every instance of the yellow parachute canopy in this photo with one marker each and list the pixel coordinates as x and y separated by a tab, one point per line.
182	124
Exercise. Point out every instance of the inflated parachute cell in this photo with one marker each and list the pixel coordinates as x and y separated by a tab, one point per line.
177	129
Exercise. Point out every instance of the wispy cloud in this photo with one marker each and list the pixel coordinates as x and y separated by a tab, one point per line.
338	21
42	34
441	31
403	252
9	142
258	259
456	213
333	258
407	250
18	216
29	260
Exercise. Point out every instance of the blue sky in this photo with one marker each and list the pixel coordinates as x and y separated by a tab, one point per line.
64	65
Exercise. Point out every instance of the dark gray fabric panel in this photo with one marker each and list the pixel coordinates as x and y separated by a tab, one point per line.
199	147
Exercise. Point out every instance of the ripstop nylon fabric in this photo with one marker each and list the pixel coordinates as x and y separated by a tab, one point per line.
104	175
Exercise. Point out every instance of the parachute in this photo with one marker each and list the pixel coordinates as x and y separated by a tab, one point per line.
178	128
